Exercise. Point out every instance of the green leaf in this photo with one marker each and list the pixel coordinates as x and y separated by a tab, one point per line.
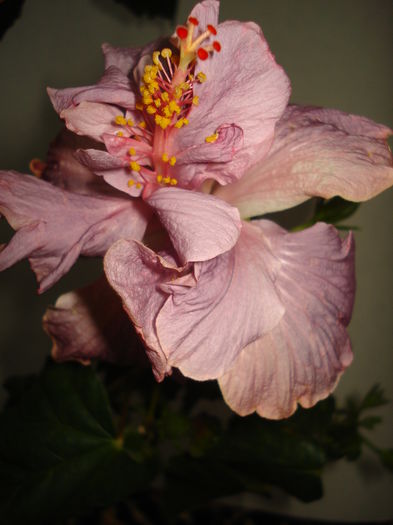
59	455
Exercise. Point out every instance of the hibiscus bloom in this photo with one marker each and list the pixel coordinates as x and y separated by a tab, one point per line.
199	128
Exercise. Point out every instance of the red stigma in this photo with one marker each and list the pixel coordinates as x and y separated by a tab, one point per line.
202	53
217	46
193	20
182	32
211	29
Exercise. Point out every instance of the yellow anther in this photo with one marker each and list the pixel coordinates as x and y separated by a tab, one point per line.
165	122
157	102
138	185
130	122
167	180
165	157
195	100
179	123
159	178
139	106
147	78
151	110
166	52
119	133
174	107
156	58
147	100
185	86
167	111
142	124
212	138
172	160
153	87
173	182
130	183
135	166
131	151
165	96
178	92
201	76
120	120
186	121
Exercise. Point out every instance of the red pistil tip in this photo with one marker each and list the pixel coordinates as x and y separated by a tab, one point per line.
182	32
202	53
217	46
193	20
211	29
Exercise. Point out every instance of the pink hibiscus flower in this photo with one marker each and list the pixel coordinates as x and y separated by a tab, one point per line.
200	129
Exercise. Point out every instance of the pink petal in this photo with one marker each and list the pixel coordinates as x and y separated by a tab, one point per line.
206	13
113	88
91	119
55	226
244	87
126	58
135	272
90	323
202	329
199	225
316	152
301	359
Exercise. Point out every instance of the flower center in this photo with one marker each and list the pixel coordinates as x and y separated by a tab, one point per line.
167	96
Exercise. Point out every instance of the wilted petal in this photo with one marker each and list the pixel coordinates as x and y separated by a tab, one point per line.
53	226
316	152
199	225
301	359
244	87
135	272
90	323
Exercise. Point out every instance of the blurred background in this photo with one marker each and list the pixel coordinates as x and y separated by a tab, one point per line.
337	54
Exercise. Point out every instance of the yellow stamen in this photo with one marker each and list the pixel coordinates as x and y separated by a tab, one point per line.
201	76
157	102
167	180
130	122
179	123
156	59
131	151
130	183
165	96
119	133
212	138
195	100
172	160
139	106
142	124
165	157
178	92
173	182
159	178
151	110
186	121
166	53
135	166
174	107
138	185
120	120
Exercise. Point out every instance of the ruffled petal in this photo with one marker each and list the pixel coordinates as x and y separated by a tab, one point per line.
53	226
113	88
316	152
135	273
244	87
203	328
90	323
301	359
199	225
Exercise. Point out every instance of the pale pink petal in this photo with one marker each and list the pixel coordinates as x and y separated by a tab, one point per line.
114	170
134	271
126	58
245	87
53	226
113	88
301	359
91	119
199	225
206	13
90	323
202	329
316	152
